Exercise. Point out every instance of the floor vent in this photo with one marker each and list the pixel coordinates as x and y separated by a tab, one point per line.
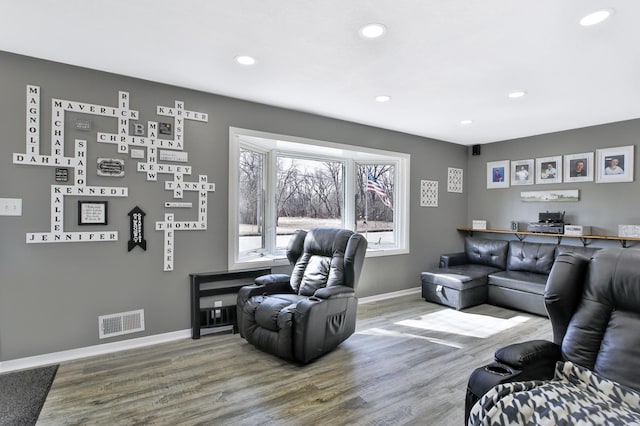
122	323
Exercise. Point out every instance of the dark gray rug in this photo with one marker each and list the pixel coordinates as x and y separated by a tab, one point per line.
22	394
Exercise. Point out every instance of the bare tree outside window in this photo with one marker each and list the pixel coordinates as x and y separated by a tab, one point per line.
251	201
308	195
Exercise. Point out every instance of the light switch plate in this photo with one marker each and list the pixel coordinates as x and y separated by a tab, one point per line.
10	206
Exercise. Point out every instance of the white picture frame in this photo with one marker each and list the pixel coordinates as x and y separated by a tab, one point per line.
498	174
621	171
578	167
549	170
522	172
455	180
428	193
554	195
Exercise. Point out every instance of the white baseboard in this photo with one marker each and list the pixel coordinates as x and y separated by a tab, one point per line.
72	354
57	357
391	295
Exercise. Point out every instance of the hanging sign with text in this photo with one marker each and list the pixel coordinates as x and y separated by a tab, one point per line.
136	229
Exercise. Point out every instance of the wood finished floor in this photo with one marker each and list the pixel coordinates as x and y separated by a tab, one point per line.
407	364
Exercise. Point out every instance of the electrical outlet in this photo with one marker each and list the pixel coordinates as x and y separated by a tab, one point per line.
10	206
217	312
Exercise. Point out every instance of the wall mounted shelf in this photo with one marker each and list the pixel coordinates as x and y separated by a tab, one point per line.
585	239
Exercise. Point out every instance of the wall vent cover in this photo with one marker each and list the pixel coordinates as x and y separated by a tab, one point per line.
121	323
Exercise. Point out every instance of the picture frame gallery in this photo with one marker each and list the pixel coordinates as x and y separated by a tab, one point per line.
608	165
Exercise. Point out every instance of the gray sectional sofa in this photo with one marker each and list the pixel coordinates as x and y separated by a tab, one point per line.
512	274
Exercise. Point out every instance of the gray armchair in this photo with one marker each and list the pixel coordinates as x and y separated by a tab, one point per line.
304	315
590	372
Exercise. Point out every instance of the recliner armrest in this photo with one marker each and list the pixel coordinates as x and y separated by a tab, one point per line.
266	284
536	358
273	279
453	259
334	291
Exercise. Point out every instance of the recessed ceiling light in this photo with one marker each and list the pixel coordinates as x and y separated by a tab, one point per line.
596	17
383	98
517	94
245	60
372	30
466	122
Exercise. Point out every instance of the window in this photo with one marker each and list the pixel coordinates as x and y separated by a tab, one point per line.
374	204
251	202
308	195
280	184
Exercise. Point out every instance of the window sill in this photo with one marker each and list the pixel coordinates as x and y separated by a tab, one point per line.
259	262
378	252
270	261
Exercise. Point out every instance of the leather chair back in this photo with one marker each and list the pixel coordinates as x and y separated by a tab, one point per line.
325	257
595	312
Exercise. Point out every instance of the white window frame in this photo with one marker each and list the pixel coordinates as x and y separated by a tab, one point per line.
350	155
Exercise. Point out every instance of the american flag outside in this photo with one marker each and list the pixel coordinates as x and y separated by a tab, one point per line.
374	186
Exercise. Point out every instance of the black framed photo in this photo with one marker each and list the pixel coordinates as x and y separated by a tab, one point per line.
165	128
92	213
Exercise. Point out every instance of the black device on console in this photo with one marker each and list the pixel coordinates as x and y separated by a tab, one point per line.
548	223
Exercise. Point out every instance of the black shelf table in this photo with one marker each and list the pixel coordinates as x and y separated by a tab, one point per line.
217	316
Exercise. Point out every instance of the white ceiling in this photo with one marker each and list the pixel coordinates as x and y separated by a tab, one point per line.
441	61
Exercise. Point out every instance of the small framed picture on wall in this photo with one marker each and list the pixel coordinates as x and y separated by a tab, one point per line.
578	167
498	174
522	172
614	164
92	213
549	169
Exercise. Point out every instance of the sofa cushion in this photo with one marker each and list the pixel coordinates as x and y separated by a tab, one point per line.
531	257
459	277
271	308
530	282
454	298
487	252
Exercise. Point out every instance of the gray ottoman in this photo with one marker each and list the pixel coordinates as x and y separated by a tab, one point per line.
458	287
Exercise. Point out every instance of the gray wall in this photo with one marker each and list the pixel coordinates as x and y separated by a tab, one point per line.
52	294
601	206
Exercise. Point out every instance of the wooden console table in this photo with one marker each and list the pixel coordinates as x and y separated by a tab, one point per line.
585	239
217	316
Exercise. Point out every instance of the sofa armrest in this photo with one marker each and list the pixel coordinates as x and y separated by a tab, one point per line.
453	259
536	358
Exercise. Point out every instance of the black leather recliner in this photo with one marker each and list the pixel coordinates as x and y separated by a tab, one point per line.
594	308
304	315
